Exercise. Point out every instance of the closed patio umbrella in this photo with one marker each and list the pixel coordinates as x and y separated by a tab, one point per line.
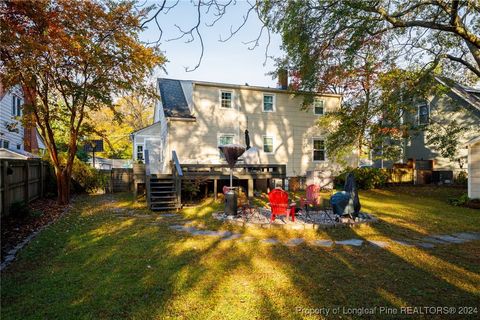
232	152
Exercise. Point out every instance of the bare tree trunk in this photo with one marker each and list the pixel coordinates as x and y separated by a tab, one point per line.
63	186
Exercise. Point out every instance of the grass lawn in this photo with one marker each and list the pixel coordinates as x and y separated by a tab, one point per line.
93	264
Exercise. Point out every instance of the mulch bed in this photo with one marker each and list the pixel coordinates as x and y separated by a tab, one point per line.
474	204
14	229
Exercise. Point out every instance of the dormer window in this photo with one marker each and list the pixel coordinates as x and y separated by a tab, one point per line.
268	102
423	114
226	98
318	107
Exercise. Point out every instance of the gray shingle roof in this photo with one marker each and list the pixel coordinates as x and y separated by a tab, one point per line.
465	93
173	99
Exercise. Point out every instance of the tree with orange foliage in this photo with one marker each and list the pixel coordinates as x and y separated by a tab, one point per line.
72	57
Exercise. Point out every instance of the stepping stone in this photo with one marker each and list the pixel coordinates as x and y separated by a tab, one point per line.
449	239
403	243
379	244
231	237
270	241
467	235
350	242
183	228
169	215
322	243
294	242
142	216
204	233
433	239
426	245
177	227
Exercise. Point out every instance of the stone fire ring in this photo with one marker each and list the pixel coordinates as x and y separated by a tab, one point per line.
261	219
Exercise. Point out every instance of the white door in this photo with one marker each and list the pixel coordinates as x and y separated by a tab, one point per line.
154	147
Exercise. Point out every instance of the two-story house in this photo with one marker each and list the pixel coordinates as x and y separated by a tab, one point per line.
193	118
16	141
456	103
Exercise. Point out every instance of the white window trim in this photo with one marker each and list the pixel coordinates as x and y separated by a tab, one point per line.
323	106
136	151
273	143
418	113
225	134
313	150
220	91
219	135
274	102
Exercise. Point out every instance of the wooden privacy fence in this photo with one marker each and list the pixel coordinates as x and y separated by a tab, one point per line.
400	175
22	181
118	179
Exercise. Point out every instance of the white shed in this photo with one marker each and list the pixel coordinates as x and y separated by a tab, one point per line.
474	168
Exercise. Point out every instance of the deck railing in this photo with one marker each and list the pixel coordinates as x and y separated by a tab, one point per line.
220	170
147	176
177	173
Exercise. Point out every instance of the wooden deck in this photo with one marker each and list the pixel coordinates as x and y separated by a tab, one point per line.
217	172
211	172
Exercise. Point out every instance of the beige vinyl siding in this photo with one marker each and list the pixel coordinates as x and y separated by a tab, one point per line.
474	171
291	128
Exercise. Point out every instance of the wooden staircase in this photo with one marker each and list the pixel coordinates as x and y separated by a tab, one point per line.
162	193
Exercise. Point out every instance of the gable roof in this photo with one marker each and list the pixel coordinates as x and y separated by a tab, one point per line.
469	95
176	95
16	154
174	102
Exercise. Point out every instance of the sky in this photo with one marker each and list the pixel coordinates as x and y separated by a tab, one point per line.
228	62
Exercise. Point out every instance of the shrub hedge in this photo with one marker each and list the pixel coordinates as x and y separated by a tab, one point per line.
366	178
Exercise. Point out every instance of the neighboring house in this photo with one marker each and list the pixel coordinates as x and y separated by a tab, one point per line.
194	117
13	136
474	168
108	164
459	103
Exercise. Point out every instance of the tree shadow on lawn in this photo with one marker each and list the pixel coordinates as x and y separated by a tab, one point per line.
130	268
111	268
398	275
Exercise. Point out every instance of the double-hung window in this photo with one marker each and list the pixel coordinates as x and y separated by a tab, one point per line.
226	99
318	107
225	139
140	154
319	150
268	102
267	144
423	114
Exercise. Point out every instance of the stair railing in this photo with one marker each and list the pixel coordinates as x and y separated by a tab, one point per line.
147	177
177	176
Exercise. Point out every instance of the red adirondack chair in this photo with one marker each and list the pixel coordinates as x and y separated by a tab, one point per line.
312	196
280	205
